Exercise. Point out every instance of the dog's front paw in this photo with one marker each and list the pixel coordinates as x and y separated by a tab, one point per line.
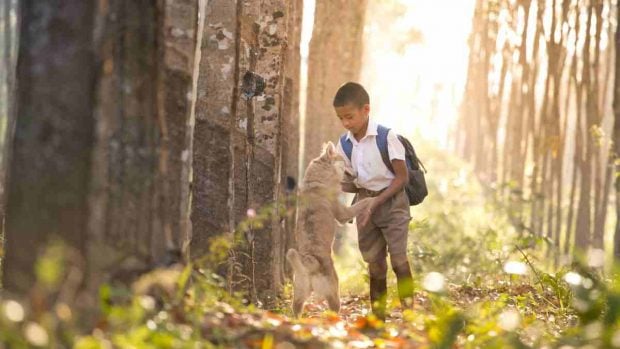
365	210
364	203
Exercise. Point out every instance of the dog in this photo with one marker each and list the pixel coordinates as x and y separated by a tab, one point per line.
320	209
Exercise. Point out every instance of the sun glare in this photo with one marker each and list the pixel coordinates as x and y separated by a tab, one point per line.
415	87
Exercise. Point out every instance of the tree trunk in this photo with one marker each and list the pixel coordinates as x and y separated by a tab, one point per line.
584	215
599	160
515	106
92	162
241	156
576	83
7	123
335	58
463	145
536	125
50	164
609	158
182	33
141	167
268	148
616	137
212	182
290	119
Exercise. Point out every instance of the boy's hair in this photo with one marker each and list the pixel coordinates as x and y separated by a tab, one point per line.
351	93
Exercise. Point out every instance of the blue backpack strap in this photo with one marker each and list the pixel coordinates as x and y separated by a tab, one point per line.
347	146
382	134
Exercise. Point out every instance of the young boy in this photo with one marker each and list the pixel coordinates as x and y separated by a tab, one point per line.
383	227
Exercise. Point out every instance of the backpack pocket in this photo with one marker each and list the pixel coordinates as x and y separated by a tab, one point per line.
416	187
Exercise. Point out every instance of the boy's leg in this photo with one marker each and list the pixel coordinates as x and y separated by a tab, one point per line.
378	287
372	245
394	223
404	280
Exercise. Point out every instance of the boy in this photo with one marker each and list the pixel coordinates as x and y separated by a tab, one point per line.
383	226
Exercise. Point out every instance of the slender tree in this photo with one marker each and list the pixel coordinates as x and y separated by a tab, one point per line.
335	57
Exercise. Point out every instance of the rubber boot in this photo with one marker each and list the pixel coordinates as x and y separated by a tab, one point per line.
405	285
378	288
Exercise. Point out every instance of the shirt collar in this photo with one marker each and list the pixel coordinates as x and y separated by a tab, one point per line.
371	130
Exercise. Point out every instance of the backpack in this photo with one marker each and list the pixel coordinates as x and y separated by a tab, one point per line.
416	187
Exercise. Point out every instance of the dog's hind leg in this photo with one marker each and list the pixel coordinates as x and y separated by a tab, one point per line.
301	292
327	288
333	299
301	279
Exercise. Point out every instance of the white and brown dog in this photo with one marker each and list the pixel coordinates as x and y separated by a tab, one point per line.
320	209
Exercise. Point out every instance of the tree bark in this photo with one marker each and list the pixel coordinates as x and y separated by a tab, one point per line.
598	140
290	120
584	227
7	125
100	85
182	34
54	137
214	146
242	156
616	137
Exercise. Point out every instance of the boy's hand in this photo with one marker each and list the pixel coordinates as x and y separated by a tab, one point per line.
397	185
347	184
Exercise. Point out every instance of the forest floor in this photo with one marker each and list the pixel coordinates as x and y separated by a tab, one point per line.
432	323
480	280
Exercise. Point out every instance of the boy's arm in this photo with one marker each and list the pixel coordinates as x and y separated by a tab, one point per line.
347	184
401	177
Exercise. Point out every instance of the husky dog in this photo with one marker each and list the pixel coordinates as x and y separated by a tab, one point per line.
320	208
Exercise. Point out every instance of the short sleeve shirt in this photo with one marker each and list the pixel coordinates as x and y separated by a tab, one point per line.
366	163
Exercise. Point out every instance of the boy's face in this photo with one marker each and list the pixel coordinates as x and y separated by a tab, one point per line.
353	118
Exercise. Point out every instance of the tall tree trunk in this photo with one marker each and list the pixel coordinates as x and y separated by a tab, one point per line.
182	33
50	164
92	164
576	83
597	140
542	185
290	120
514	123
335	57
532	141
214	146
616	136
268	129
7	123
583	225
484	109
553	130
607	164
468	119
141	160
241	156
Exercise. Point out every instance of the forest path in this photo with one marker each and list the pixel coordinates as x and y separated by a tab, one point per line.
434	321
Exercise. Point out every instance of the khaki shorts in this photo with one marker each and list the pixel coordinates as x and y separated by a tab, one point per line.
387	229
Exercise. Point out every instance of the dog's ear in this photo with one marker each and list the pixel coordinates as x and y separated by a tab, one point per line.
329	152
325	152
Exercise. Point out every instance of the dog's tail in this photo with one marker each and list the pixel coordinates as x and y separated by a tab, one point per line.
294	258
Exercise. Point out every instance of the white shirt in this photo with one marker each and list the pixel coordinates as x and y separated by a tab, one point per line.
366	163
